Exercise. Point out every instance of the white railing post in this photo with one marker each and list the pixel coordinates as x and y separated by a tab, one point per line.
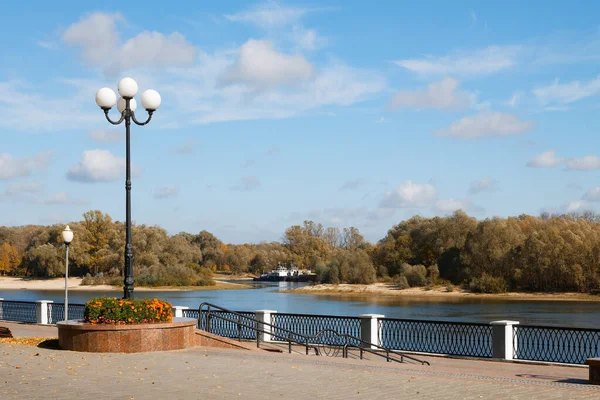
264	316
179	311
1	312
41	311
502	339
369	329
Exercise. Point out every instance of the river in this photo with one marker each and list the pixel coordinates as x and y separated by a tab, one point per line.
584	314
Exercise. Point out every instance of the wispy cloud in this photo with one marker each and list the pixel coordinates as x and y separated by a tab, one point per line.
483	185
547	159
486	124
12	167
409	195
566	93
442	95
489	60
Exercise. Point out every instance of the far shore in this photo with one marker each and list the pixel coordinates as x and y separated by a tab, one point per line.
12	283
437	292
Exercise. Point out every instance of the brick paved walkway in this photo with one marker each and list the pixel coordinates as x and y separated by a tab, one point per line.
34	373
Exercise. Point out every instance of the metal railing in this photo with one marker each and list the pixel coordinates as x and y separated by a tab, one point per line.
555	344
18	311
452	338
325	339
312	325
187	313
56	312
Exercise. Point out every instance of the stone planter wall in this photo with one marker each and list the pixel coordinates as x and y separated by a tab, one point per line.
105	338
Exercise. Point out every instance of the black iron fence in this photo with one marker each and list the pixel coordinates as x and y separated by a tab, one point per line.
56	312
243	328
555	344
311	325
19	311
187	313
535	343
454	338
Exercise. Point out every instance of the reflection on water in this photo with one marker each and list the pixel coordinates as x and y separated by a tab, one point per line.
265	295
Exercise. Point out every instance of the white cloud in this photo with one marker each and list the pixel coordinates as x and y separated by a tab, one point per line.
592	194
484	124
15	189
202	96
483	185
576	206
11	167
443	94
102	135
62	198
269	15
584	163
515	99
154	50
166	192
97	36
382	120
246	184
97	166
260	64
409	195
307	39
567	93
485	61
547	159
448	206
24	108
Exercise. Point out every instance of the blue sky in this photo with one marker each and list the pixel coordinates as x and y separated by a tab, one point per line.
347	113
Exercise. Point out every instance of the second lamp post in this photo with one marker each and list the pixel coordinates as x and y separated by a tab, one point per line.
106	99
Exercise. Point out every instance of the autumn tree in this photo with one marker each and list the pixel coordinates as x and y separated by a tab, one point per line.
10	259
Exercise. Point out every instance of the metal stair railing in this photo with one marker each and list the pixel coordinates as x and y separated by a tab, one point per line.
344	341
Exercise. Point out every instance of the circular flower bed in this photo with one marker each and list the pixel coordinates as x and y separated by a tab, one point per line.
104	310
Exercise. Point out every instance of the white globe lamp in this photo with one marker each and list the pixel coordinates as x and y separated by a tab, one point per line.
128	88
122	103
106	98
151	100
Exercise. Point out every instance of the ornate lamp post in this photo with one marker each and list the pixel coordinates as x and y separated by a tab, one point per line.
106	99
67	235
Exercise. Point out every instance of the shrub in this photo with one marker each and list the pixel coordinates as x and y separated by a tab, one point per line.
401	282
450	288
487	284
105	310
415	275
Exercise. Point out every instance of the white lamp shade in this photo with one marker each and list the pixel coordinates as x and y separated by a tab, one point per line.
151	100
121	104
106	98
128	87
67	235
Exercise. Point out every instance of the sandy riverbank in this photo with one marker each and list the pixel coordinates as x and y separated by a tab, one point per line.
385	289
11	283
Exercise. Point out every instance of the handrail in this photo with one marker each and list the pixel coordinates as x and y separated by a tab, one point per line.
307	339
289	338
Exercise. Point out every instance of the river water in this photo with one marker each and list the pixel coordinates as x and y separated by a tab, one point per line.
584	314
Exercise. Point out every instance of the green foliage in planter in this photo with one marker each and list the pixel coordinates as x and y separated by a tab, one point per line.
105	310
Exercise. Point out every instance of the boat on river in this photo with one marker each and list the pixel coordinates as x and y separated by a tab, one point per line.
288	274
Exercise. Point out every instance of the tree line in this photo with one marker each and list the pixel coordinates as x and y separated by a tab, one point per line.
546	253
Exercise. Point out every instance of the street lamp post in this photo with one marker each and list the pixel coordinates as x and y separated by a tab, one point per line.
67	235
106	99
